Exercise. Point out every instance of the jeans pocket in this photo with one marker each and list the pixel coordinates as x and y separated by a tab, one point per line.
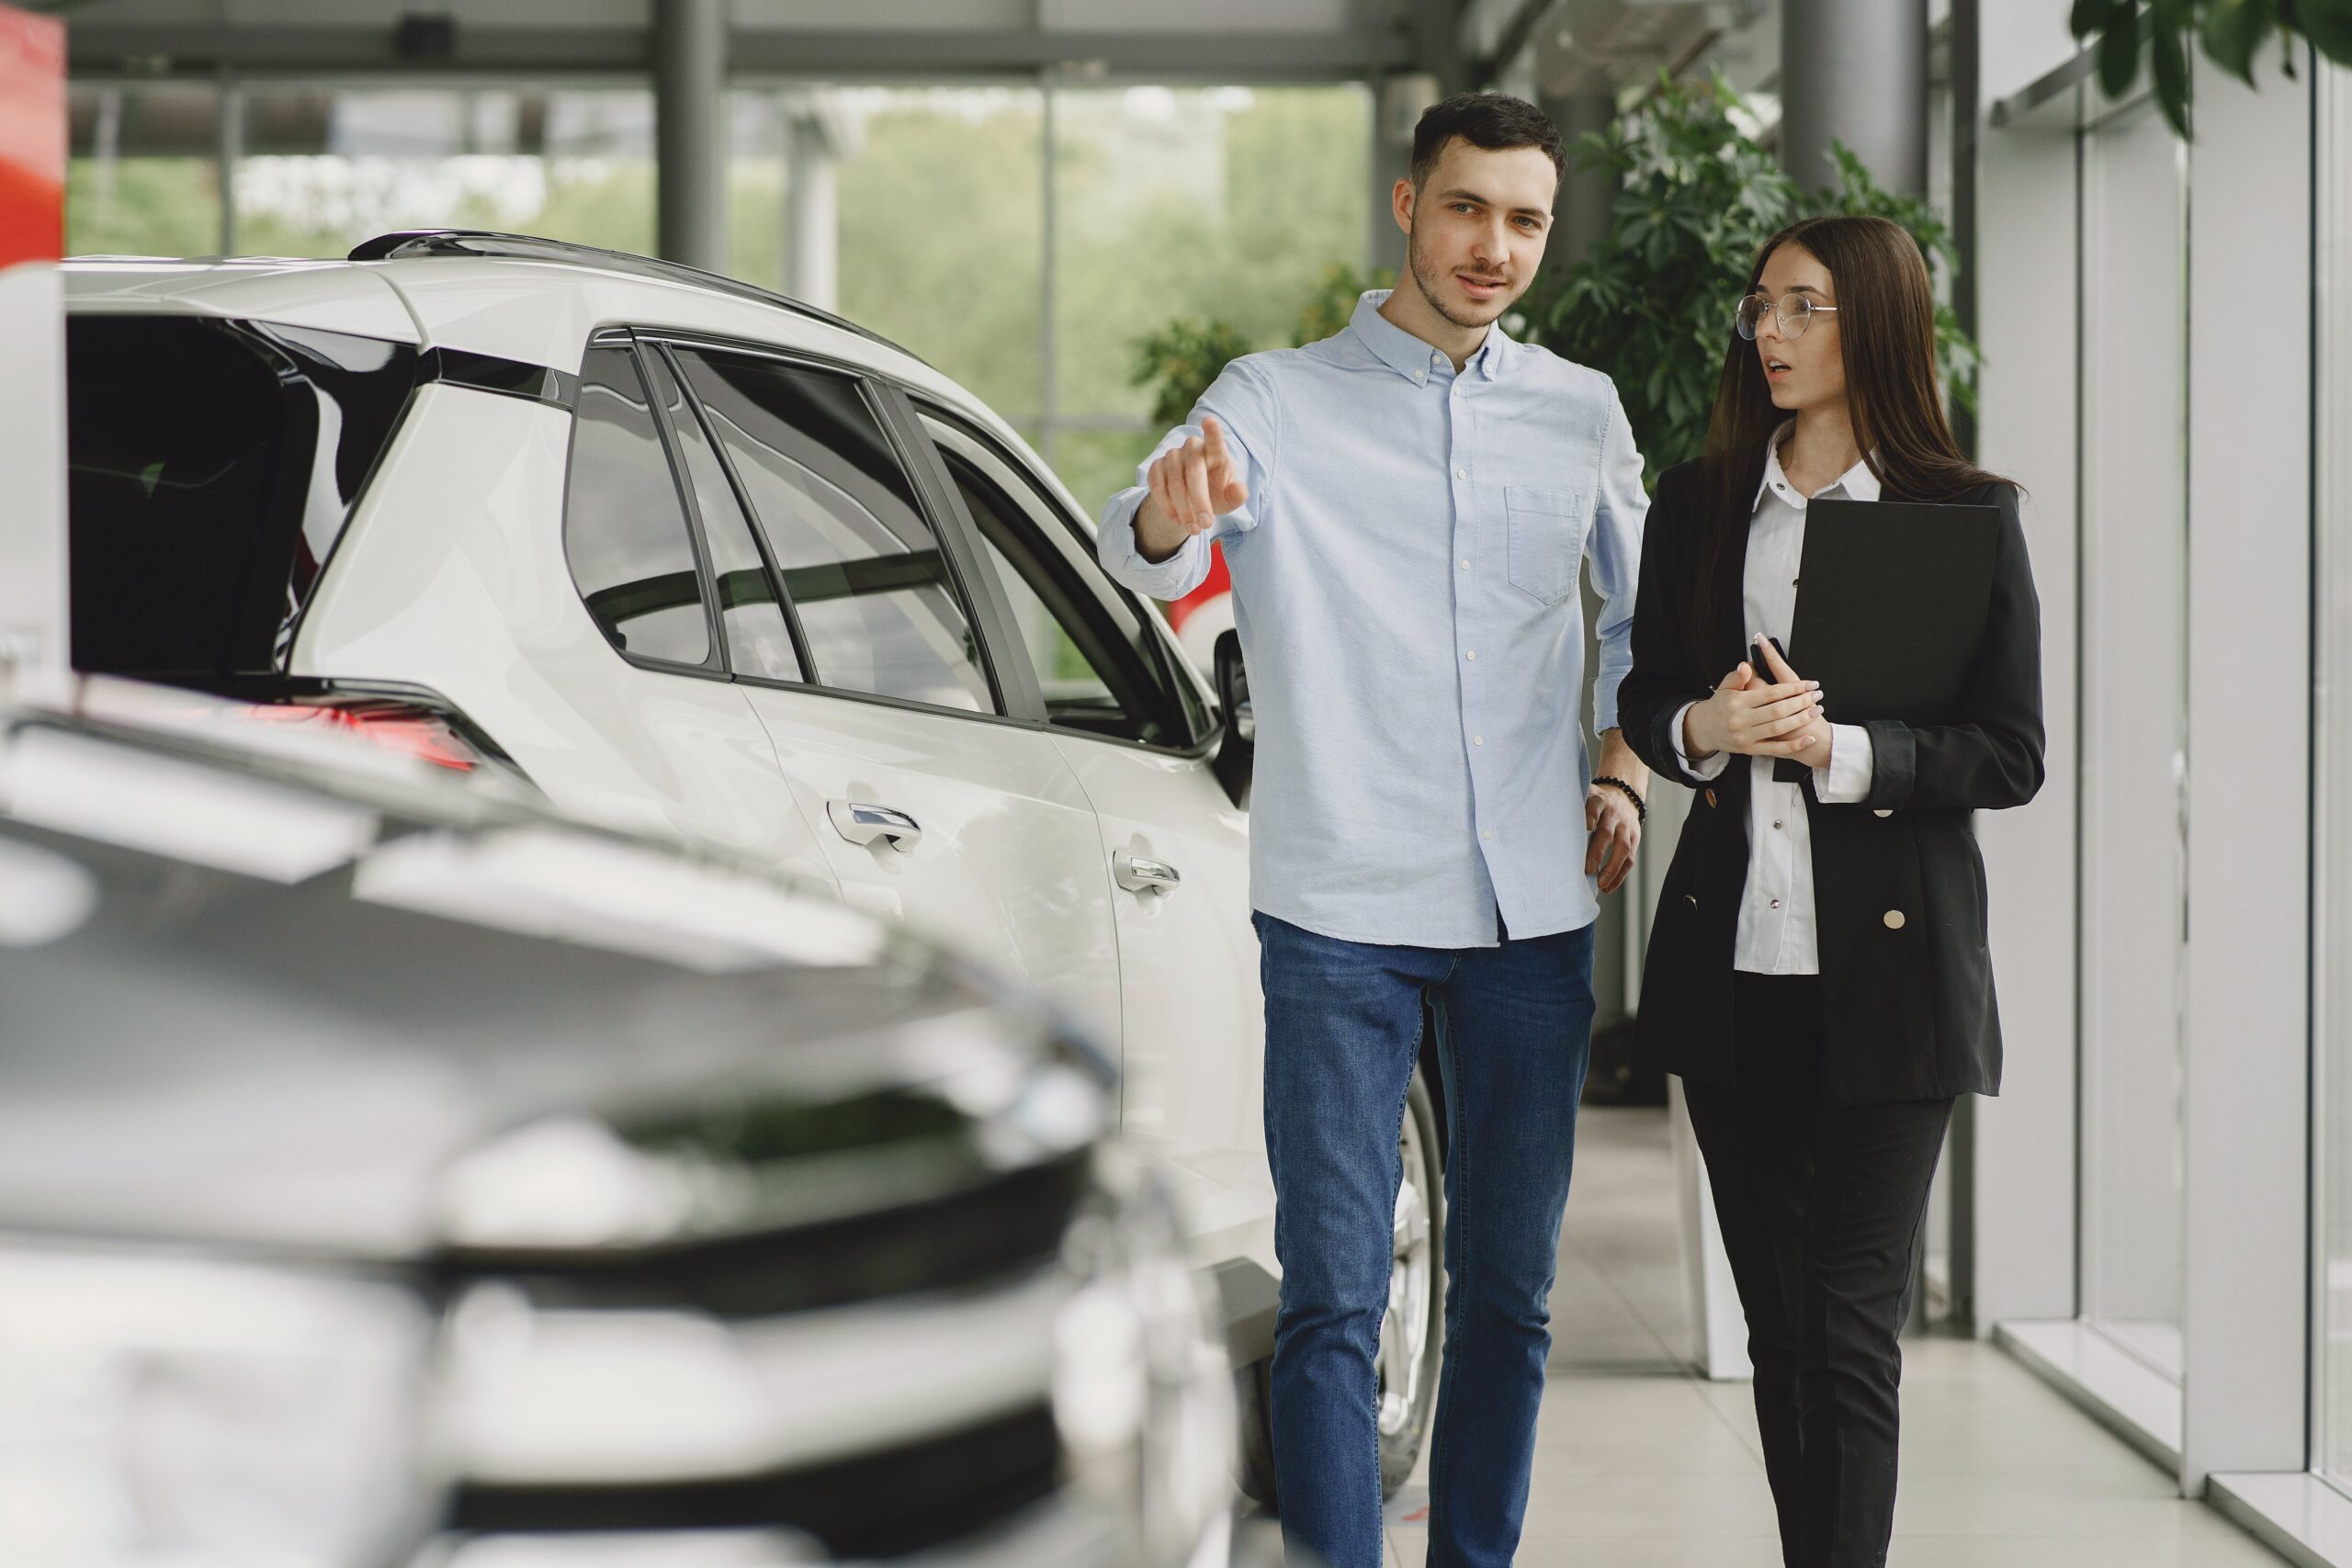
1546	541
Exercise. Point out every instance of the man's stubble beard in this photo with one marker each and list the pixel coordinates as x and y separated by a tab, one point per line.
1413	264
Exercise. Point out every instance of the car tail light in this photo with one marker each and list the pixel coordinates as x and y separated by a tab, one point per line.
400	725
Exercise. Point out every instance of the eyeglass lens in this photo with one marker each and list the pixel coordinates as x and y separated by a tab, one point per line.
1794	313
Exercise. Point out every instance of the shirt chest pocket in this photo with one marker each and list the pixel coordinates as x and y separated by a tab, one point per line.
1546	539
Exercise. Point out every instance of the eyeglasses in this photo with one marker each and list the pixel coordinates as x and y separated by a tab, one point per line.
1794	313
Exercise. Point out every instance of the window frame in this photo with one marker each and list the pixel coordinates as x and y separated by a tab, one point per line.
714	666
900	411
1015	691
1063	534
670	438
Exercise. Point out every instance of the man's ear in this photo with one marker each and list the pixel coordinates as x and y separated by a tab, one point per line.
1400	202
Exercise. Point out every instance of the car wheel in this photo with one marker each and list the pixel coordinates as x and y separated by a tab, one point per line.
1406	1365
1411	1333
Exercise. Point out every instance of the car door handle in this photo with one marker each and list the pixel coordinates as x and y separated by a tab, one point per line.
1138	874
861	824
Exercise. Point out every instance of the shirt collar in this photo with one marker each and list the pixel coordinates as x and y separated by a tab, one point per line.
1857	482
1408	355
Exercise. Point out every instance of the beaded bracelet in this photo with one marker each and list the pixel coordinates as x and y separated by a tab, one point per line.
1641	810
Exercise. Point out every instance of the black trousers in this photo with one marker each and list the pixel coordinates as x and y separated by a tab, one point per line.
1821	1208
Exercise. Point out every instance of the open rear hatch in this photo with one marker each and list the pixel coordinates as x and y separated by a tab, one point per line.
213	466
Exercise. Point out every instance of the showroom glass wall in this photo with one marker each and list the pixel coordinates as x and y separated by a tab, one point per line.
1028	278
2142	1189
144	177
2134	728
2332	825
2195	312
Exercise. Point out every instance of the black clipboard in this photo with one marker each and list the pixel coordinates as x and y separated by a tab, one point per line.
1892	600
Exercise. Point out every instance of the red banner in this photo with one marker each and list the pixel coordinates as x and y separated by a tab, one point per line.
32	136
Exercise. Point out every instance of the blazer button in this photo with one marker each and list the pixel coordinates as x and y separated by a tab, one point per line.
1895	920
1710	797
1691	899
1882	812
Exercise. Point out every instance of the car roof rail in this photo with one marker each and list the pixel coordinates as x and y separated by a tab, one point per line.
404	244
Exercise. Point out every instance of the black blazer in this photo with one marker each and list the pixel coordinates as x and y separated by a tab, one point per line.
1898	886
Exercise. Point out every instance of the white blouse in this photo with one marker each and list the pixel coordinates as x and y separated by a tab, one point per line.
1777	930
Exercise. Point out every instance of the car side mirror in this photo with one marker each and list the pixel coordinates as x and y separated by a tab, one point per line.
1234	756
1233	688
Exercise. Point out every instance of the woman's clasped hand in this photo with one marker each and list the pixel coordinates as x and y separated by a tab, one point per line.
1756	718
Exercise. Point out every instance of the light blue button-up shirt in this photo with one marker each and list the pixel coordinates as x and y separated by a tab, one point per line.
1405	585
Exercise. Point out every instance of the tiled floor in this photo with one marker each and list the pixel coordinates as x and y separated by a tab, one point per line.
1640	1465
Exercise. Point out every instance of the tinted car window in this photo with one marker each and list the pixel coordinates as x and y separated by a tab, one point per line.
758	640
1101	668
623	524
213	466
878	605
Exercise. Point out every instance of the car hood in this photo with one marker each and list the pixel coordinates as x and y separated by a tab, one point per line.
246	1009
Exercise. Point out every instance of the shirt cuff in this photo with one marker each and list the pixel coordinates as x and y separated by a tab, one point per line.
1121	554
1846	780
1604	696
1714	766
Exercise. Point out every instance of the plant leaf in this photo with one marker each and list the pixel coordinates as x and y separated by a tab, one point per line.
2118	54
2171	59
2089	17
2234	29
2328	24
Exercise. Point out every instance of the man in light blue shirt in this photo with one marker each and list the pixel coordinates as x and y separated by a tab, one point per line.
1404	508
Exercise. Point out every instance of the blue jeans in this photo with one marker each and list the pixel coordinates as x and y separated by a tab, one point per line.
1343	1028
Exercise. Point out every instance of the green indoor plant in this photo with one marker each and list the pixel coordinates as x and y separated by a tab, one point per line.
1697	194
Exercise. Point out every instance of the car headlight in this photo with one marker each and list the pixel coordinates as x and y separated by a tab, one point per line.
159	1408
1142	1394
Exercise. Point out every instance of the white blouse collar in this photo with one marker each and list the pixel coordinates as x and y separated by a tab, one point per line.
1857	482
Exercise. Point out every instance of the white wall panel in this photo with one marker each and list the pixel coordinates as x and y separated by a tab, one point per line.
2248	990
2021	40
2024	1200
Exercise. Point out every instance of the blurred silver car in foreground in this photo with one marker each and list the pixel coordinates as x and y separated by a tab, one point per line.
390	1174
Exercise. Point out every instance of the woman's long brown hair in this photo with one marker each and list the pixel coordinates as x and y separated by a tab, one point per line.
1886	334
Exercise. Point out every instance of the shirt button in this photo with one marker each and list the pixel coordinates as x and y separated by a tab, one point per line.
1776	824
1477	741
1893	920
1461	473
1465	563
1486	833
1776	903
1472	656
1882	812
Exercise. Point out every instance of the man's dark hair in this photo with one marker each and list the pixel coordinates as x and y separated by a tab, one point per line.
1496	122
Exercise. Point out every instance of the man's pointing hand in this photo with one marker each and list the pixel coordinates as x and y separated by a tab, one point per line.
1192	484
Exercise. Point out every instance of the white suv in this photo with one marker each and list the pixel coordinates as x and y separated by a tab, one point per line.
695	559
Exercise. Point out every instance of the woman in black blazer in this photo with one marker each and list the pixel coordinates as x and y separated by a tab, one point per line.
1817	971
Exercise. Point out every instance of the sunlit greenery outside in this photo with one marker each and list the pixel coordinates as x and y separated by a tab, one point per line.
1170	203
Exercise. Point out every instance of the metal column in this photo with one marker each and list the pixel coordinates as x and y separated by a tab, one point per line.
1587	197
1856	72
690	130
1049	175
812	270
228	151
